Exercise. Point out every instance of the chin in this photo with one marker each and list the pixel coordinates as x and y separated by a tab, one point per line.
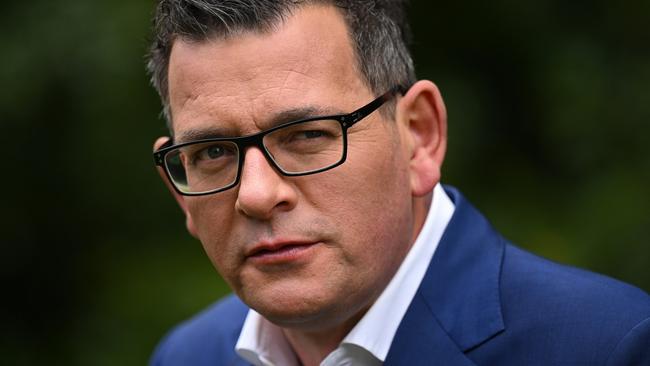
294	312
308	314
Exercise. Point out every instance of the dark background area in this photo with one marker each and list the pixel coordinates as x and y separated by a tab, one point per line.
549	110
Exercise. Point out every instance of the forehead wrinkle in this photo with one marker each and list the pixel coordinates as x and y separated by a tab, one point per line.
252	90
273	95
197	97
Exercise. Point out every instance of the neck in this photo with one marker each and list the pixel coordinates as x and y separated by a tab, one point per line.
421	206
311	347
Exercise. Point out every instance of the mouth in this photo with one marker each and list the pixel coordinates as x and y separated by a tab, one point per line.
280	252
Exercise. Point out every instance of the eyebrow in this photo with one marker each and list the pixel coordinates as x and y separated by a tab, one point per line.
280	118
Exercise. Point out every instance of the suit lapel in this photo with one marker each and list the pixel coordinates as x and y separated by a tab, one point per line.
420	340
457	305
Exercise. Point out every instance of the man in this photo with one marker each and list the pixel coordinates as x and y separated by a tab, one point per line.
307	161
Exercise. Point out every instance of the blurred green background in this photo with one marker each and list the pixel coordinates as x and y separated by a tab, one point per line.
549	110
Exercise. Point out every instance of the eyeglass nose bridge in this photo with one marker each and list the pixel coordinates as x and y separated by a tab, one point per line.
244	143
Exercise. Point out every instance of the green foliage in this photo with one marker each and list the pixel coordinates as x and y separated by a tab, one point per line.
549	110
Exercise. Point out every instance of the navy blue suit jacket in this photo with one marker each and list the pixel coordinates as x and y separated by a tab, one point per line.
483	301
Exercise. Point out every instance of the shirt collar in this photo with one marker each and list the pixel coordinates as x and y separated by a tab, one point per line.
263	343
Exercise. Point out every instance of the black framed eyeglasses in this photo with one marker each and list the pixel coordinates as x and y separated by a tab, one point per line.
303	147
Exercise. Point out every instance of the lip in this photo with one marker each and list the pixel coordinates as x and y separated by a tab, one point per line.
280	251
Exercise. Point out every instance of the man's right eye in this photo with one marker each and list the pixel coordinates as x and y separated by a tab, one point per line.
212	153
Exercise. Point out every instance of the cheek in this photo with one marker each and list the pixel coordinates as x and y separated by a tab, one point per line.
371	200
212	218
378	170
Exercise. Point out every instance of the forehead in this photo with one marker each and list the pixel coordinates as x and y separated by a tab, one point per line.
240	83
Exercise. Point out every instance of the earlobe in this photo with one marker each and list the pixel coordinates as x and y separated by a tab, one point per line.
424	115
189	222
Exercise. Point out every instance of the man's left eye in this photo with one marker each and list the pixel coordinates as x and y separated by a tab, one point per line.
311	134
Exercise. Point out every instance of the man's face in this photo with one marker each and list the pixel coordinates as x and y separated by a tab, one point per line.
311	251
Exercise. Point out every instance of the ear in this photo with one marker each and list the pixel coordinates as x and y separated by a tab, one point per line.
422	115
180	199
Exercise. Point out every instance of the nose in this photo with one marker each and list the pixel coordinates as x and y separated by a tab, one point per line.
262	190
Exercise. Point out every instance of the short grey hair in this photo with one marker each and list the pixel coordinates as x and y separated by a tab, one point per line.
378	28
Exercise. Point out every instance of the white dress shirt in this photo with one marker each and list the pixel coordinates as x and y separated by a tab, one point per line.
263	344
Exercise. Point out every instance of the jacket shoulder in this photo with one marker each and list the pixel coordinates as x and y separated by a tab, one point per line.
208	338
584	317
562	287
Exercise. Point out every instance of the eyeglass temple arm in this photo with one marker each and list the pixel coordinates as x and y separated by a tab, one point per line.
375	104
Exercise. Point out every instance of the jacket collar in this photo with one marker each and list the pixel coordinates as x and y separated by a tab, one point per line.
458	305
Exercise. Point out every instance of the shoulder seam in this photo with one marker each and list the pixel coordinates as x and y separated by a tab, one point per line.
624	337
